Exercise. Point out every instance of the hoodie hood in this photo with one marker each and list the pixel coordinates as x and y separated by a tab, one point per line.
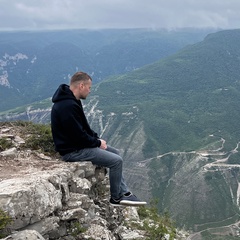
63	92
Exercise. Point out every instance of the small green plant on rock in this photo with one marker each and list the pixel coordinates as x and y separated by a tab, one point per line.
5	144
5	220
76	228
156	226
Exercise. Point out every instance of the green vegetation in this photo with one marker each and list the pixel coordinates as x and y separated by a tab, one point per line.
76	228
187	102
155	225
40	138
5	220
36	136
5	144
183	98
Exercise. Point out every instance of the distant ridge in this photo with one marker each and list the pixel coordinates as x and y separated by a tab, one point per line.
50	57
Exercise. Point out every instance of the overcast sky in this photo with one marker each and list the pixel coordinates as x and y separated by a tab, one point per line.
99	14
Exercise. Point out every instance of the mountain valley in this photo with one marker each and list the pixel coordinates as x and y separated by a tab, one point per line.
176	123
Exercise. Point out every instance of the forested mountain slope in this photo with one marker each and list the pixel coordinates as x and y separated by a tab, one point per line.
183	98
179	121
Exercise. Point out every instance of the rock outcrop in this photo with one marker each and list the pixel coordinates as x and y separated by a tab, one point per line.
47	198
50	199
70	200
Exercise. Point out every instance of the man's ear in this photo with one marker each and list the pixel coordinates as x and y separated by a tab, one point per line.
81	85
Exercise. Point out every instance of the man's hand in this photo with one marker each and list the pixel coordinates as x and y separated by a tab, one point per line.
103	144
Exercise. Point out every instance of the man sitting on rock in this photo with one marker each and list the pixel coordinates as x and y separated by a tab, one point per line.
76	141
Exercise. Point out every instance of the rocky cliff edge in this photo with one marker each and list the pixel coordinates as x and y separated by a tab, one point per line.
47	198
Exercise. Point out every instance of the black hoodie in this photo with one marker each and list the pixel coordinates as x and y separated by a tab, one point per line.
70	128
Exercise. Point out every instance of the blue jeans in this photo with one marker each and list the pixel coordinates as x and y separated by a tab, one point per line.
108	158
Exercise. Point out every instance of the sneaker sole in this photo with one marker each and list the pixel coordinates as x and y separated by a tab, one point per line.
131	203
116	205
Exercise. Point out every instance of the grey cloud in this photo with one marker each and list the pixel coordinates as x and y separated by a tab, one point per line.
57	14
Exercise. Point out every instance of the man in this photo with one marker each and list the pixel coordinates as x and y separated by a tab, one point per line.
76	141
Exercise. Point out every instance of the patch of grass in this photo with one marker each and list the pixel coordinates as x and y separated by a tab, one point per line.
40	138
36	136
5	144
76	228
5	220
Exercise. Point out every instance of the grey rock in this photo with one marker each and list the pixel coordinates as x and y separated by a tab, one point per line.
25	235
11	152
